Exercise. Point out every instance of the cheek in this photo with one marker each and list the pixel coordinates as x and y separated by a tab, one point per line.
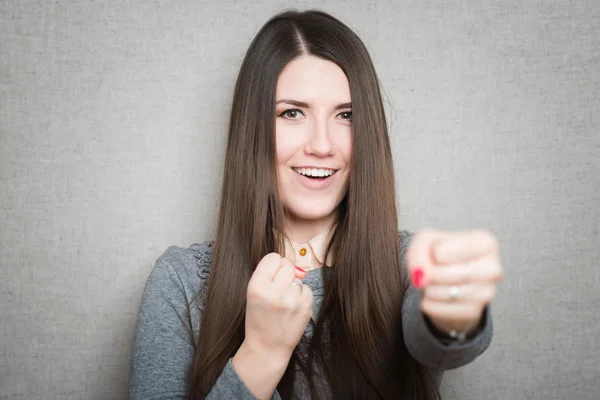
343	141
346	148
288	141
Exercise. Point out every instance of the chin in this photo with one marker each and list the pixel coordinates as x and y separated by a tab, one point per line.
308	211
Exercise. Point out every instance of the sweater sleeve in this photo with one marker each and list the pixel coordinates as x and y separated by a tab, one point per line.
163	346
428	349
425	347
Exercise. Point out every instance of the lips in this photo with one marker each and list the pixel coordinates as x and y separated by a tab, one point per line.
315	182
314	172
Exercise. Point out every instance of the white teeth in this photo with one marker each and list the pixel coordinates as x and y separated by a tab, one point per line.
315	172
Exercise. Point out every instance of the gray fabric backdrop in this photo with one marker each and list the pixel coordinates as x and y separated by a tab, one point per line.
112	123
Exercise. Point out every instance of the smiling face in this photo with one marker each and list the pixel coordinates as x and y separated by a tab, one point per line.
314	143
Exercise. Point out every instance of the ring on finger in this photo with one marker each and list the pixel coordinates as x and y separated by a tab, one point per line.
453	292
467	272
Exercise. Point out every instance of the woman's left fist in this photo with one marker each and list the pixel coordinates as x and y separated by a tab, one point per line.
458	273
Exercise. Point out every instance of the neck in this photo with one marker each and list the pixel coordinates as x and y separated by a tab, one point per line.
301	230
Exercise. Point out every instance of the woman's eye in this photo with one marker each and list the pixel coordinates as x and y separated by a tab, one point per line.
347	115
292	114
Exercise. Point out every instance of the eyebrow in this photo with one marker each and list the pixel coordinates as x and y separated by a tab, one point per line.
306	105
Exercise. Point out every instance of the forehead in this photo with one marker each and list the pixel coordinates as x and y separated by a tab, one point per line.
314	80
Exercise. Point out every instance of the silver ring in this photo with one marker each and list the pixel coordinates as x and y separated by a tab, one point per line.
468	272
454	292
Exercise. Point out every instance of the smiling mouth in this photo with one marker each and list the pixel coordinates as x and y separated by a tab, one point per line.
315	173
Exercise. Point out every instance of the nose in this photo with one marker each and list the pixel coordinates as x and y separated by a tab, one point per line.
320	143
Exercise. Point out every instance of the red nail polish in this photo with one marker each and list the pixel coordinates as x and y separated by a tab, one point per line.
417	277
299	269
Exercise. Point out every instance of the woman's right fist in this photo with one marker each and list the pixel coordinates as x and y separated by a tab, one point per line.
278	307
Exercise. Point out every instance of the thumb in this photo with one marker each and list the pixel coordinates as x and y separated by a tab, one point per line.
419	257
300	273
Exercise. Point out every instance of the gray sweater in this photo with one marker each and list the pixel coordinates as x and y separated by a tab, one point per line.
165	334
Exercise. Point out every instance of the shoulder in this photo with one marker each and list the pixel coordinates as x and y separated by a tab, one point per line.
188	268
404	235
404	238
190	260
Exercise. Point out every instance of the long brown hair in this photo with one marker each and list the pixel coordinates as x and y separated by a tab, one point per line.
357	339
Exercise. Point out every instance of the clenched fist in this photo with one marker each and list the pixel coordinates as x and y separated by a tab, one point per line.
278	309
279	306
458	273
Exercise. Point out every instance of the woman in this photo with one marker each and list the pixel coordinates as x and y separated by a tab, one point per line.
304	292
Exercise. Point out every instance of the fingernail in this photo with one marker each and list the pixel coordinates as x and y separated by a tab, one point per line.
417	277
299	269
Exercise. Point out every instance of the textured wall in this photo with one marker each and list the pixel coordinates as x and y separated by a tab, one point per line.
112	122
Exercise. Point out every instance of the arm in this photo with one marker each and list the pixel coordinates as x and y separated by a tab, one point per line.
433	352
259	370
420	337
164	346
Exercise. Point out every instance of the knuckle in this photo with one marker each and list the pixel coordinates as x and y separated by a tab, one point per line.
491	293
308	301
474	311
307	313
271	257
270	297
305	307
500	273
497	275
251	297
253	292
493	241
430	293
280	305
426	306
286	265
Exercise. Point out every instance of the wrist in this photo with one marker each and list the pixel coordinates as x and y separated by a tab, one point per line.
273	354
445	327
454	331
259	369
